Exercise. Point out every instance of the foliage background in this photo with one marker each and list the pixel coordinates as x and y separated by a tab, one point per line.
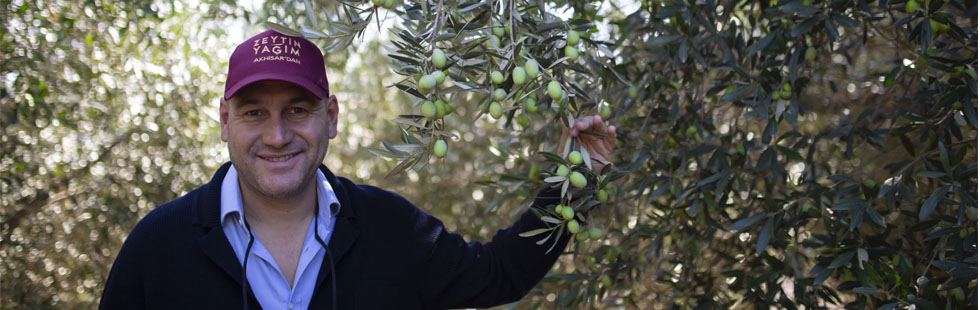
859	191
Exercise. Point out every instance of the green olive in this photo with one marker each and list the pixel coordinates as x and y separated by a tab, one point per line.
439	149
562	171
438	58
554	90
575	157
578	179
496	111
519	76
573	226
531	66
428	109
497	77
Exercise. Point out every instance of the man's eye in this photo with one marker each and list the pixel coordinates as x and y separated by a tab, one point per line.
251	113
297	110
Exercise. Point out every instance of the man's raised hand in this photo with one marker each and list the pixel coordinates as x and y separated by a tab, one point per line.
591	134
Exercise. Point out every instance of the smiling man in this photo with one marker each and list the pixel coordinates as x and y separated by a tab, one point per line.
276	229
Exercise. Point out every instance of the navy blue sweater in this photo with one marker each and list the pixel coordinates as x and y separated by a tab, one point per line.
388	255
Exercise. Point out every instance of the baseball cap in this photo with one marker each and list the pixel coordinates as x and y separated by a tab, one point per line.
271	55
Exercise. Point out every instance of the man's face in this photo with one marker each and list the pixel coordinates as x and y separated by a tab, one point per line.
277	135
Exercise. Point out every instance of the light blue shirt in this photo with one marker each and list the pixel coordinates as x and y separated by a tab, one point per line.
264	277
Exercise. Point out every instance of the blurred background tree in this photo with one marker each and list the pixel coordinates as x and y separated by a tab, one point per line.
805	153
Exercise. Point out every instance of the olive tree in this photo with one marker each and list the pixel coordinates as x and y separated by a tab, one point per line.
798	153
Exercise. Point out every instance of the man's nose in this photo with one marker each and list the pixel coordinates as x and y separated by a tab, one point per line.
277	133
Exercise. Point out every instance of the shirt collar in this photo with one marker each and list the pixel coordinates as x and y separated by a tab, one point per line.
231	202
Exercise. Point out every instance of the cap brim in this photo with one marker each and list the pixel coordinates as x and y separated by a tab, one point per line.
317	91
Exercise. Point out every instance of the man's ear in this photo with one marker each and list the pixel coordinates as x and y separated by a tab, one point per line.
332	110
223	113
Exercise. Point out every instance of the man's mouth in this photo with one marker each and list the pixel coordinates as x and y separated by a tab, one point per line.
278	158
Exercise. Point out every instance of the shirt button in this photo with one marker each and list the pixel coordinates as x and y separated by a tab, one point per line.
290	306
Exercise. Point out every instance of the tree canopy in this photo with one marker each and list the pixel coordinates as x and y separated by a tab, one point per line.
781	153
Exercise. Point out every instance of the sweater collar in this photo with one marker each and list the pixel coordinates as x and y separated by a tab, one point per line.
208	211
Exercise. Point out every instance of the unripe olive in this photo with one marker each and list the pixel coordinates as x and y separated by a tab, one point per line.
572	38
492	42
498	30
554	90
438	58
440	77
378	2
943	28
691	131
958	294
499	94
606	280
582	236
497	77
530	106
776	95
602	195
440	108
426	83
573	226
388	4
971	213
562	171
578	179
439	149
595	233
523	121
785	94
604	111
567	213
571	52
911	6
428	109
787	87
496	110
519	76
558	209
575	157
531	66
533	173
810	54
934	25
633	92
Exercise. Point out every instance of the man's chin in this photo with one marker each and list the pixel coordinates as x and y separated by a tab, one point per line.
278	191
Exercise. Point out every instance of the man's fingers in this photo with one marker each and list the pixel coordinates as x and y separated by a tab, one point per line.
611	137
584	123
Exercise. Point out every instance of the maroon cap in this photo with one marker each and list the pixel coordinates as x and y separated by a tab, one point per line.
274	56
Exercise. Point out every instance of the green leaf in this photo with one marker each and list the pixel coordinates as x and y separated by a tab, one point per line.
842	260
550	220
662	40
732	95
746	222
931	174
803	27
534	232
764	236
932	202
831	29
866	290
888	306
822	276
844	20
761	44
799	8
943	155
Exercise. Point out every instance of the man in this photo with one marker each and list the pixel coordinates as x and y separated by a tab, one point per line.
276	229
